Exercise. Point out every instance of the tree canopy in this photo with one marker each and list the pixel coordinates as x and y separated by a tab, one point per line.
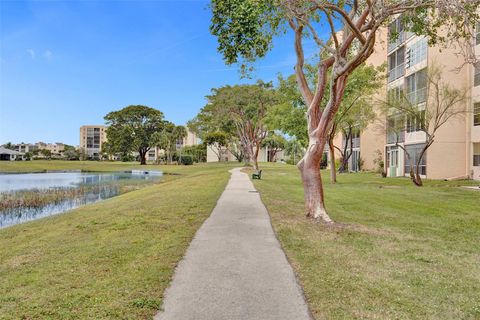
238	113
132	129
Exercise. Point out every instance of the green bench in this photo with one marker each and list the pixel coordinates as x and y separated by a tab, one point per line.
257	175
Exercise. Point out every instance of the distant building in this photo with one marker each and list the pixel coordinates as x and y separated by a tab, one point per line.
11	155
156	153
25	147
264	155
91	139
93	136
55	148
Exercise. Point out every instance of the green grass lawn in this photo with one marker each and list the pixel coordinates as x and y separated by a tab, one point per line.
398	252
109	260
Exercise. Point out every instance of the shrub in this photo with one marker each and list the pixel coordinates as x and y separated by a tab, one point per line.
186	160
324	161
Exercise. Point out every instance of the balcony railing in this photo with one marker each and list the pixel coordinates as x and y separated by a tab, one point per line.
394	137
396	72
393	44
356	142
416	97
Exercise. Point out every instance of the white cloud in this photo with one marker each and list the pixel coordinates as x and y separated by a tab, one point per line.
48	54
31	52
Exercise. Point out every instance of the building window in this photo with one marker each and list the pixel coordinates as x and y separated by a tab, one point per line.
417	52
394	95
476	154
476	81
395	129
355	139
414	151
415	122
417	87
396	31
396	64
476	114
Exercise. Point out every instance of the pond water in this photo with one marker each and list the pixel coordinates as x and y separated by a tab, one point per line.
45	194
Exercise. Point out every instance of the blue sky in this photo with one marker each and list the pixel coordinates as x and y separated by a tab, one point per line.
68	63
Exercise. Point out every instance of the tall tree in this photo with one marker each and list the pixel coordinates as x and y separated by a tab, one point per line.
167	138
443	103
132	129
242	109
245	30
214	121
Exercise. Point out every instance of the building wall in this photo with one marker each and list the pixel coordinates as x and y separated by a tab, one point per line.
226	155
447	157
473	132
84	134
451	155
191	139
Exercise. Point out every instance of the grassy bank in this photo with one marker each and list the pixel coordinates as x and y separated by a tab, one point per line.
401	252
108	260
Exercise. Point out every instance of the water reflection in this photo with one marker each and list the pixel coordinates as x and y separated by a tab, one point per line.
96	186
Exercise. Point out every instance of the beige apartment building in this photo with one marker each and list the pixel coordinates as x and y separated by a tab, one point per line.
264	155
93	136
455	154
55	148
91	139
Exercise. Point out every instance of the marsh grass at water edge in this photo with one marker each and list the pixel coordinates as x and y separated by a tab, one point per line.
17	206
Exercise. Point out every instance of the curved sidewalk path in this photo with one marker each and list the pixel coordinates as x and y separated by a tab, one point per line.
235	268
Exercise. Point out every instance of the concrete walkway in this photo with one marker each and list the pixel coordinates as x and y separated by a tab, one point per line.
234	267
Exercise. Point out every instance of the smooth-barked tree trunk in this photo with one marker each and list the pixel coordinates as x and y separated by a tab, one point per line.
333	169
309	167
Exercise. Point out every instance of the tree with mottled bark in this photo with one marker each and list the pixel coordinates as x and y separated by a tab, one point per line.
211	121
132	129
443	104
274	143
245	30
246	106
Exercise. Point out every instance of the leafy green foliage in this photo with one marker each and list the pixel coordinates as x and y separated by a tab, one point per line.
241	26
198	152
186	159
356	108
274	141
132	129
216	138
245	29
166	139
289	116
